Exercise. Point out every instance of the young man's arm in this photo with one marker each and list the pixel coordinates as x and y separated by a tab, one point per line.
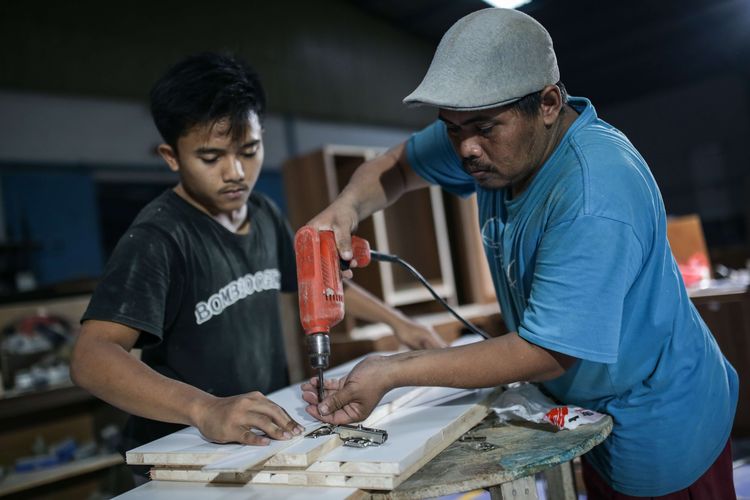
362	304
101	364
375	185
492	362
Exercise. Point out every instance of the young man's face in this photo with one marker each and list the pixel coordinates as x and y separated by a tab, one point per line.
216	172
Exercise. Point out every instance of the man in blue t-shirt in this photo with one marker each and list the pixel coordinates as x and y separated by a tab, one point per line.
574	231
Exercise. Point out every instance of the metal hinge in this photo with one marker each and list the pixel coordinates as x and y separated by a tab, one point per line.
355	436
477	442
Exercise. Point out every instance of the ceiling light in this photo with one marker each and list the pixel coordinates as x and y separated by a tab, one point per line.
507	4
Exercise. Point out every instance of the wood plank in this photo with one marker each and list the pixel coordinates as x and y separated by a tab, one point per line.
306	451
380	468
561	482
278	477
169	490
413	433
523	488
188	447
16	482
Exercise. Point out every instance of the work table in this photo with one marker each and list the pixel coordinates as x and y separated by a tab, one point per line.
520	450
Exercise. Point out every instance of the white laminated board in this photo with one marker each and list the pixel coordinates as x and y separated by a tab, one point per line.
188	448
416	435
412	432
171	490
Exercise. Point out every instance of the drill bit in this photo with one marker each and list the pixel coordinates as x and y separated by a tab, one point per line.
321	392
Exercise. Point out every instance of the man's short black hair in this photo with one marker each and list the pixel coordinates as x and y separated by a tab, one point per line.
202	89
530	105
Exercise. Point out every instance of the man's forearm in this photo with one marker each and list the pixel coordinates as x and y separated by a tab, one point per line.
379	182
115	376
488	363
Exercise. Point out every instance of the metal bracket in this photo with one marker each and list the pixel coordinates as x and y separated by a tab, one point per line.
477	442
482	446
323	430
355	436
471	438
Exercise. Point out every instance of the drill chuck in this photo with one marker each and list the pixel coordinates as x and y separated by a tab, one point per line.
319	350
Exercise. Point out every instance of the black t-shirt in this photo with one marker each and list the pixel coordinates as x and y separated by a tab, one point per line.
205	299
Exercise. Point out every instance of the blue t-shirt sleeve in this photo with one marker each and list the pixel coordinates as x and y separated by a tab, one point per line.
579	287
431	155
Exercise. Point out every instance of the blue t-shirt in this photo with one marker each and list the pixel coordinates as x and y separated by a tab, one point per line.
582	266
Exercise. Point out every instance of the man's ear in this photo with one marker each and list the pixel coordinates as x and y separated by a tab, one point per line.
170	156
551	104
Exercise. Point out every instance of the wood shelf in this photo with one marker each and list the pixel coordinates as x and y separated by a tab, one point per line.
18	404
21	481
414	227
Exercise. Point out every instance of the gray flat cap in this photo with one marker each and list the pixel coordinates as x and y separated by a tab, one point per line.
487	59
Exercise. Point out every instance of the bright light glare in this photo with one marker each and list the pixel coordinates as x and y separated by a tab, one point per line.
507	4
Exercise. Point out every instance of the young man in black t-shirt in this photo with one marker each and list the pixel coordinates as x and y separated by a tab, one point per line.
195	280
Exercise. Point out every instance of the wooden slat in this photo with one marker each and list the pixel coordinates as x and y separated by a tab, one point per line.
379	468
414	433
188	447
17	482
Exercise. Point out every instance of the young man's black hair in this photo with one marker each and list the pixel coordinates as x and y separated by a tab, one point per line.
202	89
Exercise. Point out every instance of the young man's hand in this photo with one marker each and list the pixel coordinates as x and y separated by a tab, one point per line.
233	419
352	398
418	336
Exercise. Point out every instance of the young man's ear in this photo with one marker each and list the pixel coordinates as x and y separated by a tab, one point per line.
170	156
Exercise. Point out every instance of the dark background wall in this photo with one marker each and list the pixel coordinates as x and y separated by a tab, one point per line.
328	59
674	76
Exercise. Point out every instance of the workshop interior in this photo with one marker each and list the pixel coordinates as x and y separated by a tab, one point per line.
79	160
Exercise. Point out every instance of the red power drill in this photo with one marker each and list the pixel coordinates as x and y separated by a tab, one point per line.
321	291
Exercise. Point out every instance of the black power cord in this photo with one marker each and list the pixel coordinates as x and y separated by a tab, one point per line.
394	258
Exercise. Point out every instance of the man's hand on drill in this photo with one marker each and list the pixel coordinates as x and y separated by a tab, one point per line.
232	420
352	398
341	218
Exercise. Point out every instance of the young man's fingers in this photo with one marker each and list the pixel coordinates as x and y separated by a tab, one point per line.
250	438
277	416
266	425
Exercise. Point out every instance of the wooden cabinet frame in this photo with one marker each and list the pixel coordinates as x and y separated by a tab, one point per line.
414	227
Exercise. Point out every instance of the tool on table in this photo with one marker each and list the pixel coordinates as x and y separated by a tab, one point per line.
321	290
355	436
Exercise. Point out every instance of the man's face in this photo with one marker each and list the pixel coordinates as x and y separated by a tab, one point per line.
216	172
499	147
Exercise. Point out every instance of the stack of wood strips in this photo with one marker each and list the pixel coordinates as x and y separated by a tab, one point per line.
420	421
